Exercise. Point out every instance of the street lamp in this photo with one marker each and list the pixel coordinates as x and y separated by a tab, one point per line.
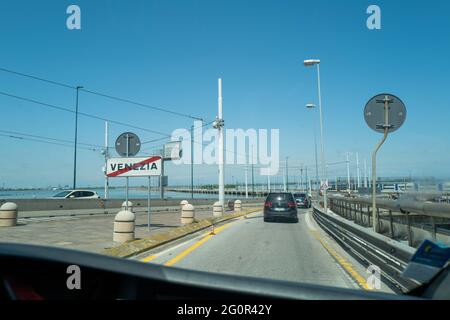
312	106
76	138
311	63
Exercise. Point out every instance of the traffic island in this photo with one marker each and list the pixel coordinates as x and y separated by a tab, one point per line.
133	248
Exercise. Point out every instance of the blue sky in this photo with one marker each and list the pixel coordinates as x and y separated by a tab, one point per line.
170	54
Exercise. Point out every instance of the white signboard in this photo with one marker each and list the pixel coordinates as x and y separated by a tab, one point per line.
172	150
133	167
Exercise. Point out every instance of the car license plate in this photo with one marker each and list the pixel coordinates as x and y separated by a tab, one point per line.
279	209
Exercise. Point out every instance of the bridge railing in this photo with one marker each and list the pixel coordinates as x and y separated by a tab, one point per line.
402	219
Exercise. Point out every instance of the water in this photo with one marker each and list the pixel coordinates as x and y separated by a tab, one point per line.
116	193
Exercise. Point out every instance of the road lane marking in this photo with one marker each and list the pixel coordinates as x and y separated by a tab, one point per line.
342	262
162	253
149	258
185	252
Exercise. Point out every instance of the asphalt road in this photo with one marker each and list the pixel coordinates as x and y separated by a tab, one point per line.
298	252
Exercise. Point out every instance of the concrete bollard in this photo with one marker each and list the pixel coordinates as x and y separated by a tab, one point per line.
130	206
238	206
8	214
124	226
217	209
183	203
187	214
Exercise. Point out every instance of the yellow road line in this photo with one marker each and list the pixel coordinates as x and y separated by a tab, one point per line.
343	262
185	252
149	258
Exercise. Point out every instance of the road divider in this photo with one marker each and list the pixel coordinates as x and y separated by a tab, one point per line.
133	248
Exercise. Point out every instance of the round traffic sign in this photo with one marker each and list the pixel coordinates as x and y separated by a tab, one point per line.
374	112
128	144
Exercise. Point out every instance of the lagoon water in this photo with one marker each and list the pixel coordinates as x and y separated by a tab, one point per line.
116	193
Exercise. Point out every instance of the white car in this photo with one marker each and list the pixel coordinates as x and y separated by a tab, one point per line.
76	194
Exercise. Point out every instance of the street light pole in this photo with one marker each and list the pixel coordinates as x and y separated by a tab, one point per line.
76	139
308	63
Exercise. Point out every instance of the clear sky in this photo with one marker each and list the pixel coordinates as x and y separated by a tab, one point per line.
170	53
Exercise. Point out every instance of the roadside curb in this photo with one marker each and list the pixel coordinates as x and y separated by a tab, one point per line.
138	246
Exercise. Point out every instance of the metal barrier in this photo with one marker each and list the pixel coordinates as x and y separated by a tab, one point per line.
401	219
374	249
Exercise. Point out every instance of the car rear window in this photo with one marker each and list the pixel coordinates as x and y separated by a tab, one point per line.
280	197
300	195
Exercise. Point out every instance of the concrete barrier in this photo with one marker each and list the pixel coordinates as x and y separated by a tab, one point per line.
238	206
124	226
217	209
182	203
130	206
187	214
8	215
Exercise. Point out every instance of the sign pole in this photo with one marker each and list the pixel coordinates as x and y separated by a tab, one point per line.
148	202
126	191
386	127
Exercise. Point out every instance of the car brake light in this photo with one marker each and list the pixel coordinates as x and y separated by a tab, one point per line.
267	204
291	204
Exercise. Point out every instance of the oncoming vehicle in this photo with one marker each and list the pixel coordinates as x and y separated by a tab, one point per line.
280	206
302	200
76	194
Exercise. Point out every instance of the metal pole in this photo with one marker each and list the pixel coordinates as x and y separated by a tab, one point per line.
324	173
253	177
192	162
221	148
148	202
358	177
374	164
287	175
365	174
106	161
161	178
126	191
76	139
246	183
348	173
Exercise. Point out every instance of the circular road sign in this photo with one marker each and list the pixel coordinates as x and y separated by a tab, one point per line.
374	112
128	144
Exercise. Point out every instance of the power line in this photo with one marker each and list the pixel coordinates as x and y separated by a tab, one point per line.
52	139
129	101
80	113
43	141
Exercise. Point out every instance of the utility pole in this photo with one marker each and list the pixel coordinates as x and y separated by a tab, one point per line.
246	183
365	174
301	178
219	124
106	154
348	172
76	140
358	175
192	162
253	178
287	175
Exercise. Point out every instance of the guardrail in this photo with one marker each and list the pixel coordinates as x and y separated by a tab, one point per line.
404	219
390	256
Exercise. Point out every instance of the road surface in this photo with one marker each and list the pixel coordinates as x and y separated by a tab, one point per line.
298	252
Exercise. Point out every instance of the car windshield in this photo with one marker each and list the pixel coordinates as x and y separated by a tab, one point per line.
61	194
298	141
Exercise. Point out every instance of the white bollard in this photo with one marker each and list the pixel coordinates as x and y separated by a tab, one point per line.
238	206
130	206
124	226
187	214
183	203
217	209
8	214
